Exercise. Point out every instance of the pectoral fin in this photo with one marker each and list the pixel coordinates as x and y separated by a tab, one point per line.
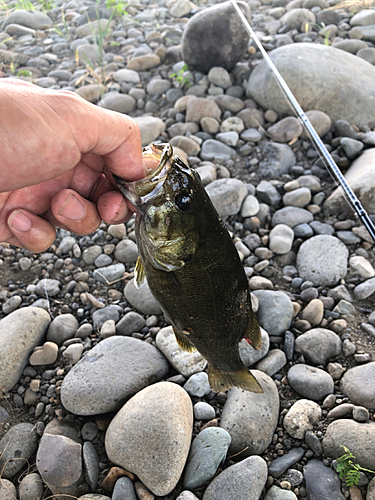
139	274
183	341
221	381
253	335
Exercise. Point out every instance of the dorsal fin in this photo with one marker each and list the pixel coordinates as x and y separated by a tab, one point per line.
139	274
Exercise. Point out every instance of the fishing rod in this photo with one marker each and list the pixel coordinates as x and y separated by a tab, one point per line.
332	168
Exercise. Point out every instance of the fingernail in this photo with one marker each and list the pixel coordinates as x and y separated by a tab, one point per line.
19	221
72	208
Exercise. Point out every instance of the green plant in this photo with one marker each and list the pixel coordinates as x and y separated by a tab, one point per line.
24	72
3	5
24	5
46	4
64	30
181	77
118	6
348	470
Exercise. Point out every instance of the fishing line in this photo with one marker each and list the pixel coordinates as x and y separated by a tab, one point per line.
332	168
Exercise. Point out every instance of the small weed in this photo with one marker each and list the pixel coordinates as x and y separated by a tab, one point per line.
46	5
24	72
348	470
63	31
118	6
114	44
3	5
180	77
24	5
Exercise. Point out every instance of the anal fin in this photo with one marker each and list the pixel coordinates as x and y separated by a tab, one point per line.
139	274
183	341
221	380
253	334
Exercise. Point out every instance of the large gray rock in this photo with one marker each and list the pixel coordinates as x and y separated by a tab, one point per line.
151	127
315	73
150	436
310	382
30	19
242	481
203	44
323	260
251	418
278	158
361	178
322	483
227	195
62	328
16	447
275	312
358	384
110	373
20	332
358	437
141	298
318	345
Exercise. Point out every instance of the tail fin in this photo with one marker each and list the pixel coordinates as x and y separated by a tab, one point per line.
221	381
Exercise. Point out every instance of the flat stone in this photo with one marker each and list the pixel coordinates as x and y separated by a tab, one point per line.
322	482
186	363
285	130
126	75
358	437
91	92
141	298
62	328
292	216
144	63
17	342
251	418
278	158
310	382
208	451
275	311
281	464
128	363
216	150
272	362
46	355
122	103
16	448
109	274
242	481
31	19
156	422
318	345
227	195
323	260
358	384
7	490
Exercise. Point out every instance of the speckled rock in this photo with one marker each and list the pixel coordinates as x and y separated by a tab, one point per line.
310	382
16	448
150	436
252	429
301	417
227	195
318	345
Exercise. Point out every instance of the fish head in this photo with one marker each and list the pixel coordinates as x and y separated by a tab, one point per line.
167	201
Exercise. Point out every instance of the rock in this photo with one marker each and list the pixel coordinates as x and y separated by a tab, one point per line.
198	108
297	198
12	304
190	147
122	103
204	411
151	127
48	287
156	422
358	437
208	451
62	328
141	298
218	151
352	147
362	266
88	54
318	345
371	490
251	418
8	57
126	75
198	385
73	353
129	364
203	46
291	216
281	239
361	178
17	342
313	312
357	384
295	18
322	260
131	322
31	487
275	311
16	448
365	289
90	464
276	493
310	382
227	195
267	193
186	363
250	206
144	63
322	482
7	490
281	464
100	316
181	8
320	121
31	19
45	355
219	77
363	18
301	417
242	481
314	72
285	130
91	92
278	158
272	362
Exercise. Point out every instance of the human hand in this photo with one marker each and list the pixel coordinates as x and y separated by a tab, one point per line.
57	152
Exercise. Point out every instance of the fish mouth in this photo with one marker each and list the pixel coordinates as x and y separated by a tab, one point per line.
140	192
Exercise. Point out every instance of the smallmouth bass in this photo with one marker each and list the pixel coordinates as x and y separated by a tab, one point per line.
192	267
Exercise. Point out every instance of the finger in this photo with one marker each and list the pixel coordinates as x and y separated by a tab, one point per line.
30	231
72	211
113	208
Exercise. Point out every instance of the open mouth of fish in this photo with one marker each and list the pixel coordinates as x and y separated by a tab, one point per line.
140	193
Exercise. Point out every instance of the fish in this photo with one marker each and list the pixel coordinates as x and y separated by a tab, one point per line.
192	267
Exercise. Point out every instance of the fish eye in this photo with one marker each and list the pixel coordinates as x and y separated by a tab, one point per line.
183	202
